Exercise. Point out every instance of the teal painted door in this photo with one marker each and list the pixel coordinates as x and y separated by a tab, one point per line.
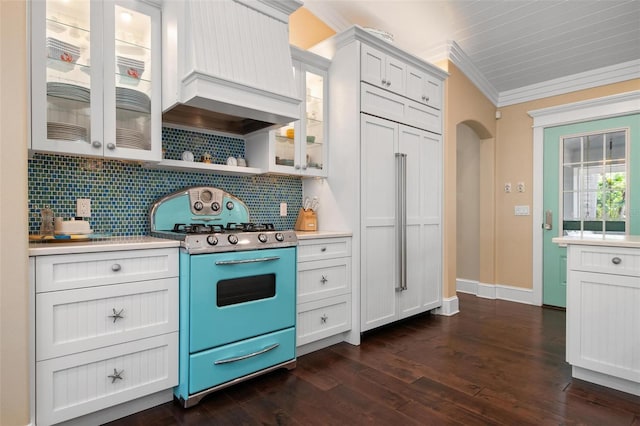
583	163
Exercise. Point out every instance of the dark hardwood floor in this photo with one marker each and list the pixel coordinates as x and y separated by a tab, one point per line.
496	362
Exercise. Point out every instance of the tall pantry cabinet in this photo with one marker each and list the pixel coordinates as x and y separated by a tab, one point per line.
385	176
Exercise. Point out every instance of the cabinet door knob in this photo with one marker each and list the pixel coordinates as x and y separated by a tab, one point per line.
111	146
384	81
116	314
426	99
324	279
304	167
96	144
323	249
117	375
616	260
388	83
324	318
297	167
116	267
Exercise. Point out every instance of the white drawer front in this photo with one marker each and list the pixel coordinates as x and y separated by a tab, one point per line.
610	260
323	278
69	271
75	385
423	117
323	248
83	319
323	318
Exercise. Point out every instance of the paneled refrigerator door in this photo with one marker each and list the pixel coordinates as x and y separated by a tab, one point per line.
379	273
66	76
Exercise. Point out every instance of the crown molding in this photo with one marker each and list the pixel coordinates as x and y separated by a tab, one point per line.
451	51
584	80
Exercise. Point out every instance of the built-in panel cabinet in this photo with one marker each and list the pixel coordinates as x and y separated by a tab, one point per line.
106	330
603	320
385	182
324	291
300	148
95	78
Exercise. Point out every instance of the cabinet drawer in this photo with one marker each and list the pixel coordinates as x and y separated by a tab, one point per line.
323	318
69	271
323	278
325	248
79	384
381	103
83	319
610	260
264	351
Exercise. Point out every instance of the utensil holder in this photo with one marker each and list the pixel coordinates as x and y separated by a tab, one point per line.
307	220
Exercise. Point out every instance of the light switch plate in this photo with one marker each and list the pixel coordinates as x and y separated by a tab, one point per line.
283	209
521	210
83	207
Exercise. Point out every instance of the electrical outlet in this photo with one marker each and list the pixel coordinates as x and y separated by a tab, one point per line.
83	207
507	187
520	186
283	209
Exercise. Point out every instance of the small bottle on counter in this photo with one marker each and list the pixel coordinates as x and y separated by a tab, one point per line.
46	221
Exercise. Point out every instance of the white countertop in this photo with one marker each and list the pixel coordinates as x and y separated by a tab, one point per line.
99	245
310	235
609	240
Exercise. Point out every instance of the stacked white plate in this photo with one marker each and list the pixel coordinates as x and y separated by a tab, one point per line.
62	51
130	67
129	138
68	91
133	100
66	131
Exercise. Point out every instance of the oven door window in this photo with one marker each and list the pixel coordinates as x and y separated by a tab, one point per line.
245	289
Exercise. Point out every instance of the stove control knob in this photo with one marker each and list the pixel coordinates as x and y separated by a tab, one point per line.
198	205
262	238
229	205
279	236
215	206
233	239
212	240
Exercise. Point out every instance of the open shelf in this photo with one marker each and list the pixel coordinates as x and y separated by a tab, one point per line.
192	166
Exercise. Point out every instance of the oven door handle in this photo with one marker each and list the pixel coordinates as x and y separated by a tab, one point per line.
251	355
239	262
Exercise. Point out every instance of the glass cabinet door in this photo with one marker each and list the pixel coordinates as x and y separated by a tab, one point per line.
92	69
314	141
64	76
131	76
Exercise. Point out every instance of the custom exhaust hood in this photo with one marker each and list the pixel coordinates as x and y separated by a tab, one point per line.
227	64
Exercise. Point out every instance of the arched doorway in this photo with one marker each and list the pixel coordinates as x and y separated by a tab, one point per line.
475	211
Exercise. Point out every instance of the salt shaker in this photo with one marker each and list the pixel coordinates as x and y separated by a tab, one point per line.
46	221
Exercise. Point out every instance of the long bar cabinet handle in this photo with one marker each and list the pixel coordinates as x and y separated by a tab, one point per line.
240	262
251	355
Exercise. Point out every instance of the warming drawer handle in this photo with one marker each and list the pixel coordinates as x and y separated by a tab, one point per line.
240	358
240	262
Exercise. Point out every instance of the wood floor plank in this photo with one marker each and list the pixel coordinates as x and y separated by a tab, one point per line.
494	363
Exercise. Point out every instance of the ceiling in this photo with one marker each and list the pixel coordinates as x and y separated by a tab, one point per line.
512	44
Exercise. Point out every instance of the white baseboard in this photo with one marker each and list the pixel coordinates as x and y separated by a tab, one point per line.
320	344
496	291
449	307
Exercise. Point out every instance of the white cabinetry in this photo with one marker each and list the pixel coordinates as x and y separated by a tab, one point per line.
603	315
95	78
106	330
384	298
324	289
383	70
300	148
375	116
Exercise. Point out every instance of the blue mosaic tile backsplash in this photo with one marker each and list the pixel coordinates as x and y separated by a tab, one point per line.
121	193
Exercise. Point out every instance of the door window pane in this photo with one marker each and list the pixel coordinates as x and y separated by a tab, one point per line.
594	183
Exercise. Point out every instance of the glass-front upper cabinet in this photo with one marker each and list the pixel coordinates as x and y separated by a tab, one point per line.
300	148
95	78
